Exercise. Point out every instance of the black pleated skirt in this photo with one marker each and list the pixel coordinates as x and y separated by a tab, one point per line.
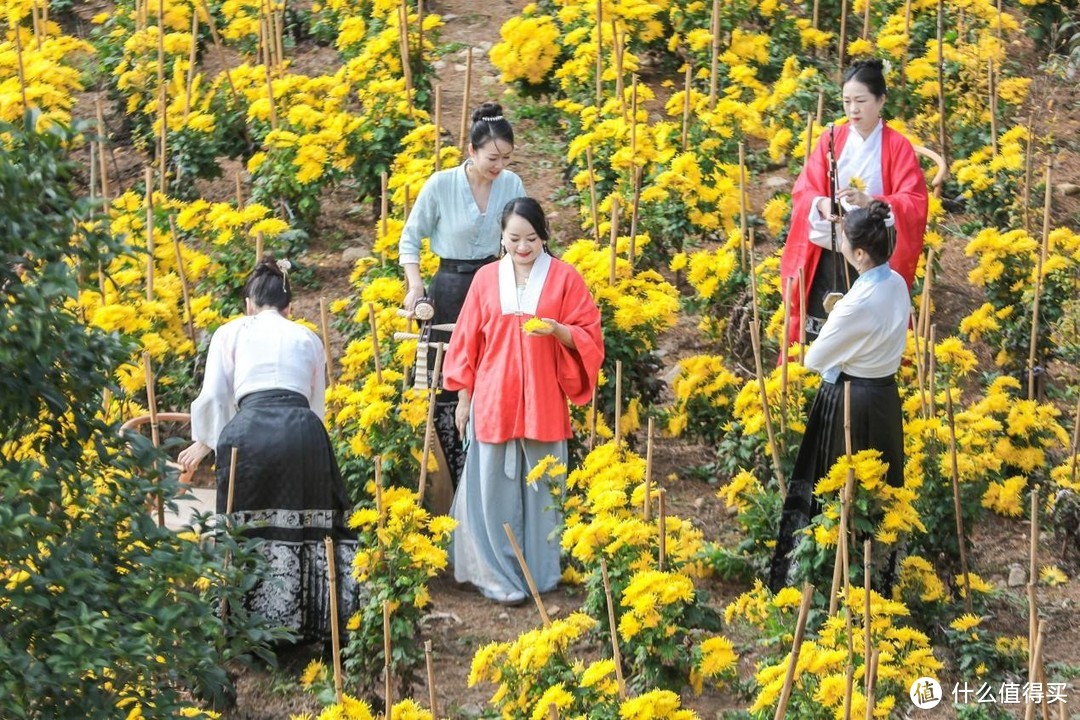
289	493
876	423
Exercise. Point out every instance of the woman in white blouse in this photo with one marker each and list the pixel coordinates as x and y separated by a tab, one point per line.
263	394
861	344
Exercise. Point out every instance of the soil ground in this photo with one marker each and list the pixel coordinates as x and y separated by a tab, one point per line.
461	620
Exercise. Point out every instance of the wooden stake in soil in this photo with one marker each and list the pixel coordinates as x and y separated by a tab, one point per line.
841	575
102	139
618	51
613	627
1033	569
866	616
406	59
432	703
191	64
189	325
1027	173
438	127
230	499
388	680
647	510
796	646
375	342
599	53
155	435
809	137
802	316
992	92
755	340
942	140
871	683
956	498
429	426
592	420
148	177
528	575
614	236
335	630
618	403
714	59
742	211
463	134
1043	251
842	41
686	105
594	214
661	523
784	345
325	326
866	22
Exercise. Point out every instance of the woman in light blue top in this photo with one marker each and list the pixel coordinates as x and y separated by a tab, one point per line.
861	344
459	210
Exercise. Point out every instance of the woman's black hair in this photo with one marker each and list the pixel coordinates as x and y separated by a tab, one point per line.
529	209
489	124
865	229
268	284
870	73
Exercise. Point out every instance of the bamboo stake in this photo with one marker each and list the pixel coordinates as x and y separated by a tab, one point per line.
432	704
871	683
842	41
406	59
714	59
184	290
335	630
594	214
956	498
17	32
796	645
239	191
102	139
270	97
462	135
615	653
1043	251
592	421
553	711
617	50
866	617
155	434
849	677
904	55
1033	664
614	236
648	470
388	679
599	53
438	127
528	575
429	427
815	17
149	178
279	32
637	170
777	470
163	99
35	22
941	78
230	500
406	203
618	403
932	381
820	107
809	137
420	35
661	522
1033	568
1075	441
375	342
841	576
259	247
191	64
922	323
866	22
1027	174
378	493
802	316
686	106
384	204
325	326
742	214
992	92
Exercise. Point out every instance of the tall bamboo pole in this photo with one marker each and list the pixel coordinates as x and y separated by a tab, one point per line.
406	59
148	176
755	340
942	139
618	403
375	342
528	575
594	213
599	54
335	629
1028	152
324	322
163	98
388	676
613	627
429	662
465	100
429	426
189	325
796	646
842	40
1043	252
742	208
714	59
686	105
438	127
647	502
617	51
955	475
992	93
192	58
613	241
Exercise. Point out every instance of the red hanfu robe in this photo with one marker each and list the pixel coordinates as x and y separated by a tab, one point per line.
519	383
904	191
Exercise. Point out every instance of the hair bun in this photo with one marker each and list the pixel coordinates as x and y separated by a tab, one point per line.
878	211
488	112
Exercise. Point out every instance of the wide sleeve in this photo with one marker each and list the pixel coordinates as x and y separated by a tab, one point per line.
905	191
466	348
421	222
812	183
216	404
578	368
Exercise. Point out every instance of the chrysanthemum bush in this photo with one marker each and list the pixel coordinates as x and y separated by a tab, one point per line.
104	613
402	547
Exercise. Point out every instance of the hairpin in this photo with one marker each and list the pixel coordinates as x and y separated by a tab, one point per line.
493	118
284	266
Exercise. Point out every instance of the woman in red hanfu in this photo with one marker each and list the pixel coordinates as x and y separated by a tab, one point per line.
513	385
872	161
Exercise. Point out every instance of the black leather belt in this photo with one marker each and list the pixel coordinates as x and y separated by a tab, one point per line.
464	267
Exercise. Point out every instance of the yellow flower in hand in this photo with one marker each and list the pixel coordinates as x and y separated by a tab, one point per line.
857	183
534	324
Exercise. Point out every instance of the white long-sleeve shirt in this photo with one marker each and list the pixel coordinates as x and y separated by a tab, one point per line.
865	334
253	353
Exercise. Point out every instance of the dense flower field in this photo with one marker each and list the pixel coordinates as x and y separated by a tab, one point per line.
666	228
